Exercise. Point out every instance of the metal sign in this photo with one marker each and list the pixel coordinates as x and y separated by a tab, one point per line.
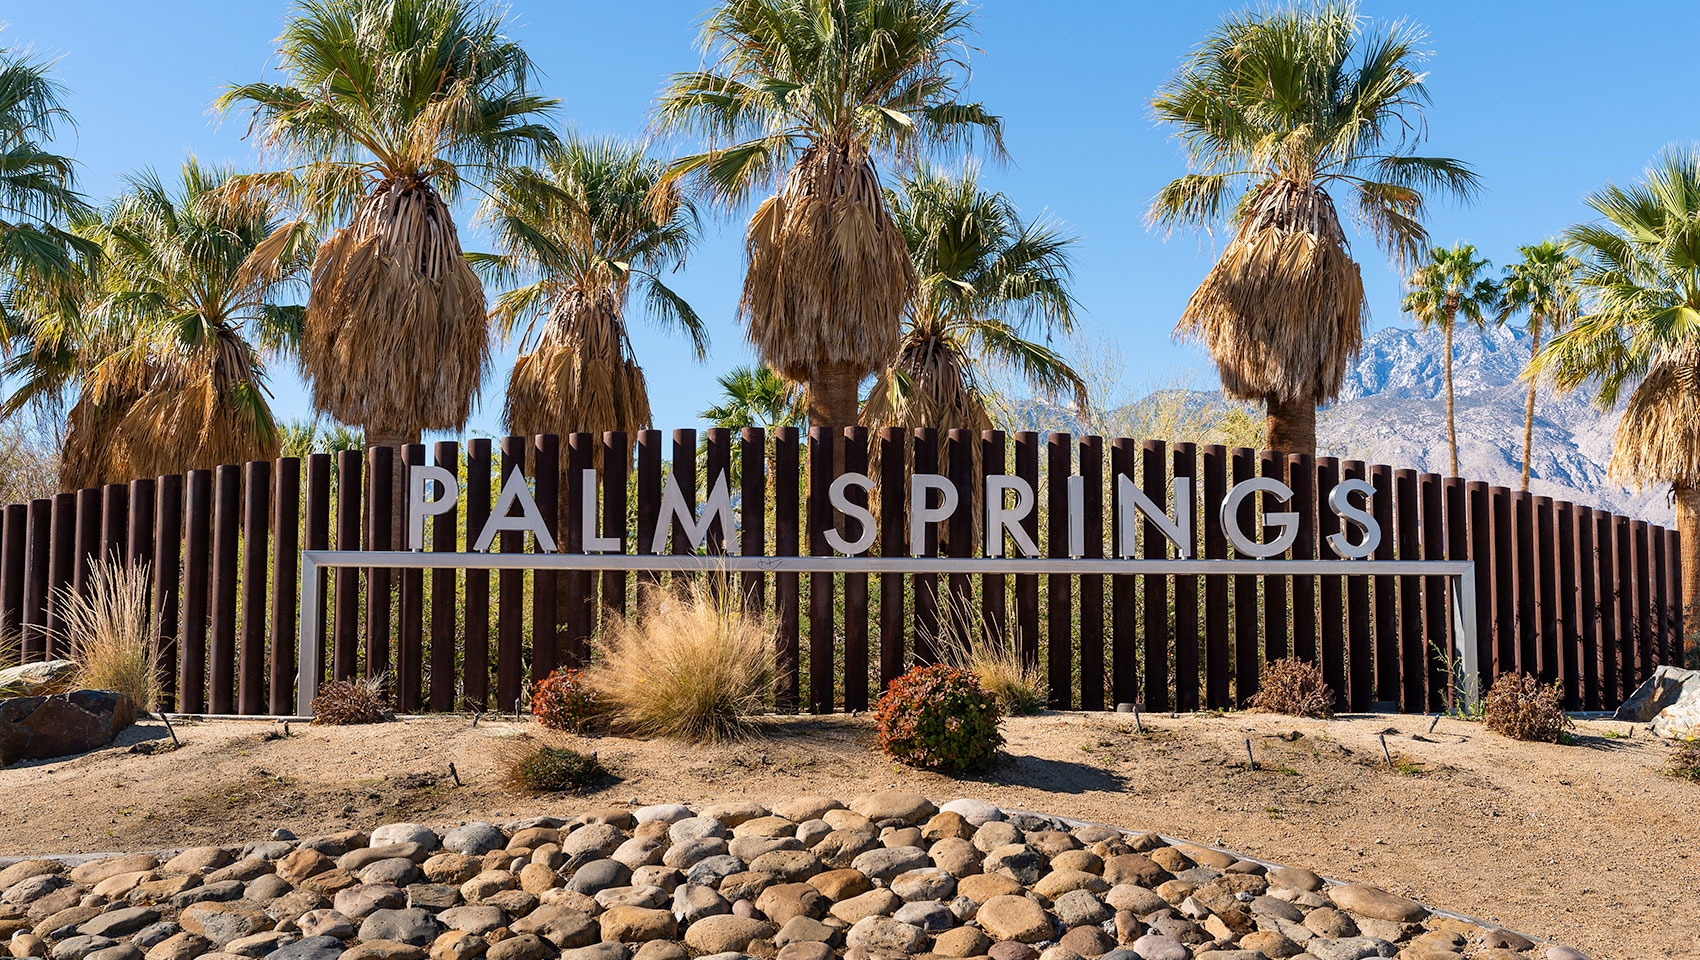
433	490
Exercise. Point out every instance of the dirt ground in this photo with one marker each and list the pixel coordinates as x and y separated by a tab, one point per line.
1586	844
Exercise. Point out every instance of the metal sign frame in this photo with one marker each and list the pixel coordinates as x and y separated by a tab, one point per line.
1460	575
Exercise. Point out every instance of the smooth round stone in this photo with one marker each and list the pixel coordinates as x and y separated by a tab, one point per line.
599	875
411	925
155	934
1374	902
309	948
1565	953
715	869
475	839
931	916
1157	947
927	883
885	935
683	856
911	808
695	828
978	813
593	839
269	887
405	833
664	812
1014	918
1078	907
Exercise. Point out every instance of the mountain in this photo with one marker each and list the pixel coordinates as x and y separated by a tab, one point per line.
1392	409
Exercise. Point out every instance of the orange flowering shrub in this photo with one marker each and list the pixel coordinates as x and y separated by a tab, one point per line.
564	702
940	718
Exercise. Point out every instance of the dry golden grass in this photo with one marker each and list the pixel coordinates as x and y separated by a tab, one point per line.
691	665
348	702
109	632
964	641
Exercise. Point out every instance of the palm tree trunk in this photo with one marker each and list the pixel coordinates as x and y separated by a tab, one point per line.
1451	424
1291	425
1687	496
834	402
396	439
1529	412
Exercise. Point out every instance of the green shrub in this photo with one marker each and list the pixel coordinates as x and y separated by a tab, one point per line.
939	717
1293	687
1519	707
1684	762
564	702
546	769
352	701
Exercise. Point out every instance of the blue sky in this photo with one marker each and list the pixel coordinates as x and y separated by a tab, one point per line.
1548	100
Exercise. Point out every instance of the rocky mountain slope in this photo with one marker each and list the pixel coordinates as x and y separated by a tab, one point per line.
1392	410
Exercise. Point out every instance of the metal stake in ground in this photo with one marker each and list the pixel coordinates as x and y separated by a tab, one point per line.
1384	751
1248	757
1434	723
453	774
1137	724
167	721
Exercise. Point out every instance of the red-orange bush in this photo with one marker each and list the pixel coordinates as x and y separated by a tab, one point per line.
939	718
564	702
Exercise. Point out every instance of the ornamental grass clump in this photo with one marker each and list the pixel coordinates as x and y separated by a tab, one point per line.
1293	687
939	717
693	664
565	702
109	631
965	641
1522	708
348	702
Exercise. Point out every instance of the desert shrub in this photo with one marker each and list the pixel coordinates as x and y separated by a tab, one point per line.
1293	687
352	701
939	717
546	769
964	641
1684	762
1520	707
109	631
564	701
692	664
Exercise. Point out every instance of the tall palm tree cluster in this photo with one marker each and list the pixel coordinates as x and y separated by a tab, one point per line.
883	276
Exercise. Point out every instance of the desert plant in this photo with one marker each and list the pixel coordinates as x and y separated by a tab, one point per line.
1439	290
939	717
1294	687
1684	762
108	629
692	664
564	701
352	701
963	641
547	769
1522	708
1543	284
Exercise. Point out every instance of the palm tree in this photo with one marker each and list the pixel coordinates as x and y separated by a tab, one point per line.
162	348
1276	109
1640	332
1544	285
1451	283
388	109
985	277
37	188
756	397
586	226
803	95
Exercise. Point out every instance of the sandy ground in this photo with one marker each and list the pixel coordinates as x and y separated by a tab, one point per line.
1585	844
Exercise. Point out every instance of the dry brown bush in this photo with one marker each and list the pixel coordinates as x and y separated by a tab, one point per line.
1520	707
1293	687
532	767
693	664
352	701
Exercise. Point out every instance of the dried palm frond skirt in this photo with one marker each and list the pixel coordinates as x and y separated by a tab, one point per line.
1658	438
830	274
396	336
1282	311
579	378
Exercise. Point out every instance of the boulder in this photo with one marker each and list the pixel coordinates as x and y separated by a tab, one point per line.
39	728
1669	700
38	679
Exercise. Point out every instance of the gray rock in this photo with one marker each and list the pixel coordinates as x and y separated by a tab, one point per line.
269	887
124	951
405	833
665	812
217	892
274	849
309	948
76	948
410	925
599	875
119	923
693	901
37	728
1349	948
34	888
695	828
397	870
1078	907
930	915
713	870
1158	947
885	863
685	855
475	839
155	933
977	812
473	919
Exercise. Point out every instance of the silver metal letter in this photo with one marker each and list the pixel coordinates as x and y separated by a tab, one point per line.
836	495
674	509
1288	522
920	514
530	520
1178	530
1077	516
587	502
420	504
1000	519
1360	516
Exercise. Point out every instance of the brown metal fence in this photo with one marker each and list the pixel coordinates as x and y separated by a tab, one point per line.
1565	592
